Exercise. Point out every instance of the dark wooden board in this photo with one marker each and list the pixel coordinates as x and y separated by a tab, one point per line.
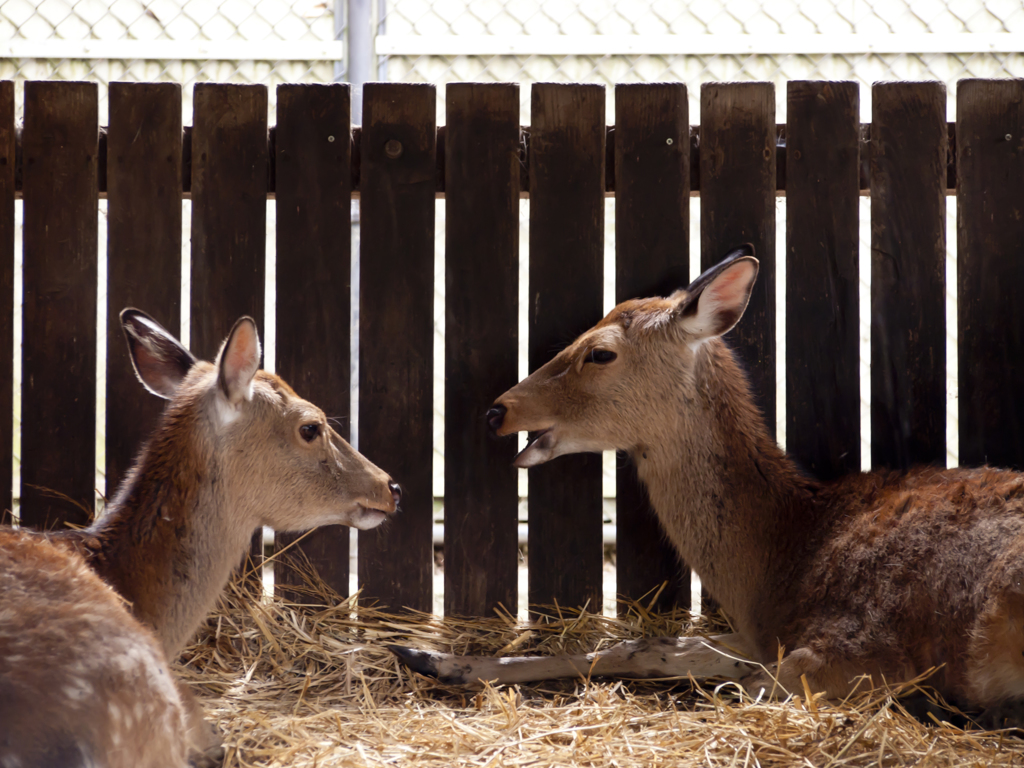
481	337
908	253
822	279
314	263
143	250
567	166
229	216
229	211
396	334
990	269
652	241
58	406
7	229
737	205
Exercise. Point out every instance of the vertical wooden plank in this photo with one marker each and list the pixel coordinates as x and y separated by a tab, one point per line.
59	339
229	216
481	318
396	335
567	163
7	142
143	249
822	279
314	252
908	251
652	243
229	211
990	270
737	205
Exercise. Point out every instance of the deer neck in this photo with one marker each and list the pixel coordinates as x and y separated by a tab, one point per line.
171	537
730	500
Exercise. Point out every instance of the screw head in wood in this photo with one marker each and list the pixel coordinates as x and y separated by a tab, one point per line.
330	139
669	142
393	149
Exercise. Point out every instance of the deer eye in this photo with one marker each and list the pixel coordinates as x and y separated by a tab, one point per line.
309	432
601	356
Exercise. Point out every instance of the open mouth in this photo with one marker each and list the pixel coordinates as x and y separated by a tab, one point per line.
537	450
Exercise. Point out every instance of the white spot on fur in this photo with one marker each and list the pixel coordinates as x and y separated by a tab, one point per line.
79	689
224	413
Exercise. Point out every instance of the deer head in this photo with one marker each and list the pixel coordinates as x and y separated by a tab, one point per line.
280	462
603	391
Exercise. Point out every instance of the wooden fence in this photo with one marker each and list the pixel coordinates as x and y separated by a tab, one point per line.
738	160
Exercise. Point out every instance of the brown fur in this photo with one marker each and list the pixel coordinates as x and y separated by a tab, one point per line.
227	456
883	573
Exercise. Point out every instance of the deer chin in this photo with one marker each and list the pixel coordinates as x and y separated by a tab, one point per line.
365	518
541	449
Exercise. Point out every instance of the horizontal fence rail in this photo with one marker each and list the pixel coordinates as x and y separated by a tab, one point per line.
355	139
652	160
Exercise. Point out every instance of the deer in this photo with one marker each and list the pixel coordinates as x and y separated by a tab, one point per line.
89	618
884	575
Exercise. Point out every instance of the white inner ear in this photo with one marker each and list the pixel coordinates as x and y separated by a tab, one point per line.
239	362
721	304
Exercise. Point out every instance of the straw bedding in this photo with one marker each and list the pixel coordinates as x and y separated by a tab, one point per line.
315	686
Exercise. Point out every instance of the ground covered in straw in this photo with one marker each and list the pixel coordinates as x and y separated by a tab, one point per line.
315	686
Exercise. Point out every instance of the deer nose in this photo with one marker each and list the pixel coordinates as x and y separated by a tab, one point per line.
496	416
396	492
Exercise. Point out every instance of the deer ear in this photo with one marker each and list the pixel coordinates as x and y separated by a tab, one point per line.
159	359
715	301
238	361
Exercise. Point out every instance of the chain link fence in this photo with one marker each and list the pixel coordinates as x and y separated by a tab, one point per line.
184	41
696	41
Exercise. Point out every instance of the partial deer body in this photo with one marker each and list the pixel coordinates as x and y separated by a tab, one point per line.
96	613
885	574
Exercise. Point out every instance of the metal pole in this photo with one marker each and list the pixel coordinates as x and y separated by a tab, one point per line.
360	52
339	34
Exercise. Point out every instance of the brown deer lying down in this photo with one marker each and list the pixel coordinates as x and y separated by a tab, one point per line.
82	681
886	574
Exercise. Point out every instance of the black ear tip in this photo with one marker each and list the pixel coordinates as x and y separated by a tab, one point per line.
741	251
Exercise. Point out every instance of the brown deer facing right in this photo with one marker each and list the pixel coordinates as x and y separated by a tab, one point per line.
89	618
884	574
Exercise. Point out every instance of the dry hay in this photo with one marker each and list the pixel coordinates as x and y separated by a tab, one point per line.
315	686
